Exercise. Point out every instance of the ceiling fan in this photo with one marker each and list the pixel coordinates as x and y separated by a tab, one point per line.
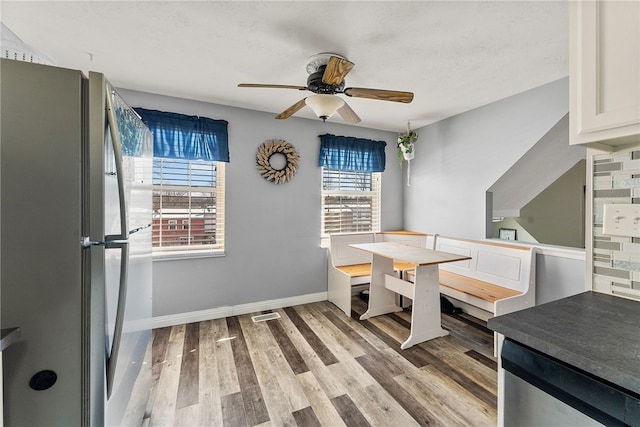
326	79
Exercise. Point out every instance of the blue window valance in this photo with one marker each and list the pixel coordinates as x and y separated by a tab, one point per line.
179	136
352	154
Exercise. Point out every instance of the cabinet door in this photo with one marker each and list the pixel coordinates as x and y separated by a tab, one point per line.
605	72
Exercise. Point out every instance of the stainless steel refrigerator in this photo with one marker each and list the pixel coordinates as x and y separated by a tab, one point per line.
75	215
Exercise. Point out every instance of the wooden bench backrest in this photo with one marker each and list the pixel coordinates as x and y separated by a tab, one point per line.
342	254
505	265
411	239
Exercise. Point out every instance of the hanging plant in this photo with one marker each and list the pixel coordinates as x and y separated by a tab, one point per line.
405	145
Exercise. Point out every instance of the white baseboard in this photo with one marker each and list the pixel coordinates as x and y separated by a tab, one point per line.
235	310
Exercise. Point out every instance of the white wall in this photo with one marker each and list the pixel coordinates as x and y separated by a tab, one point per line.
560	272
458	159
272	233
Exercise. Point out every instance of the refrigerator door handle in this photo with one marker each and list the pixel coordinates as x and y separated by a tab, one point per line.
112	355
86	242
117	150
135	230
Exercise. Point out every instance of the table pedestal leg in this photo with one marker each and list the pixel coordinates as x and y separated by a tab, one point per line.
425	316
381	299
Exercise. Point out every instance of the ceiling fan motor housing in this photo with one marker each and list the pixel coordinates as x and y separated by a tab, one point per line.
316	85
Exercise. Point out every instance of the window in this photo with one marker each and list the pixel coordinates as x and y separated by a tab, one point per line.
351	173
189	193
188	182
350	201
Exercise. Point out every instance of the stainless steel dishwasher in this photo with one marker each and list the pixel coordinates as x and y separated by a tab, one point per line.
543	392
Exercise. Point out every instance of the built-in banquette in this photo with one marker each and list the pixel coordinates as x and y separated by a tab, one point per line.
498	279
348	267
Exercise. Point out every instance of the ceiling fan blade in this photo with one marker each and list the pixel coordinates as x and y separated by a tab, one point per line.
272	86
383	95
348	114
337	69
291	110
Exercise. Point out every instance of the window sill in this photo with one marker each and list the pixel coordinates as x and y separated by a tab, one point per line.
182	255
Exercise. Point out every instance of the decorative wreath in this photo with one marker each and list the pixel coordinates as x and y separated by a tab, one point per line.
268	149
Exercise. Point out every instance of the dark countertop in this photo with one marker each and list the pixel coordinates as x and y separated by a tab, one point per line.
597	333
8	337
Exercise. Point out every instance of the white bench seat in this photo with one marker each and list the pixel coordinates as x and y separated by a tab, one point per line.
458	284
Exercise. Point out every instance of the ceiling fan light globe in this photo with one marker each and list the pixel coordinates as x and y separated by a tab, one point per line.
324	106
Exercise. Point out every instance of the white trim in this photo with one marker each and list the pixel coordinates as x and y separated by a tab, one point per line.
548	250
235	310
562	252
186	254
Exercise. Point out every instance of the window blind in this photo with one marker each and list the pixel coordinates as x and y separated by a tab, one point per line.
350	201
188	205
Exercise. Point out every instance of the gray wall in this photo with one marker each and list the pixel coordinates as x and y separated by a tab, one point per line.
458	159
272	231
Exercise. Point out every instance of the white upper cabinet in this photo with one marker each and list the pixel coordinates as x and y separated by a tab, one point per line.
605	72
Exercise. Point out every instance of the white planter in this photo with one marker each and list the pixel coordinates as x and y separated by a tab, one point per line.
408	152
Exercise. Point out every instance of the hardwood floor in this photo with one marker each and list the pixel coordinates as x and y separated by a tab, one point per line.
316	367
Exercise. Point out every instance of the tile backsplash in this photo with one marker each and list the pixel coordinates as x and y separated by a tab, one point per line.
616	259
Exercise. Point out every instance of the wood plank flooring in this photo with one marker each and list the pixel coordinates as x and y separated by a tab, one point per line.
316	367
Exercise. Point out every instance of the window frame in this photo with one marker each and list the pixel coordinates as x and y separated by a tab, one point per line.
181	250
375	193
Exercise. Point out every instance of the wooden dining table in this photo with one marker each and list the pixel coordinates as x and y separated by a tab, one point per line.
424	291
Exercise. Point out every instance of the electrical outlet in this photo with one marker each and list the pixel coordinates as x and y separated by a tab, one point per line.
621	220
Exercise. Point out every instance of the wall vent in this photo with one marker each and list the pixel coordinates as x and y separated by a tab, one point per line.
265	317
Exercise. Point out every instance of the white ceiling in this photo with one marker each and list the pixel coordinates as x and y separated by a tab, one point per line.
454	55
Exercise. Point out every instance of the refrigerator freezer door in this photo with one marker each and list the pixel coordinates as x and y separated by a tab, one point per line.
123	359
128	302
